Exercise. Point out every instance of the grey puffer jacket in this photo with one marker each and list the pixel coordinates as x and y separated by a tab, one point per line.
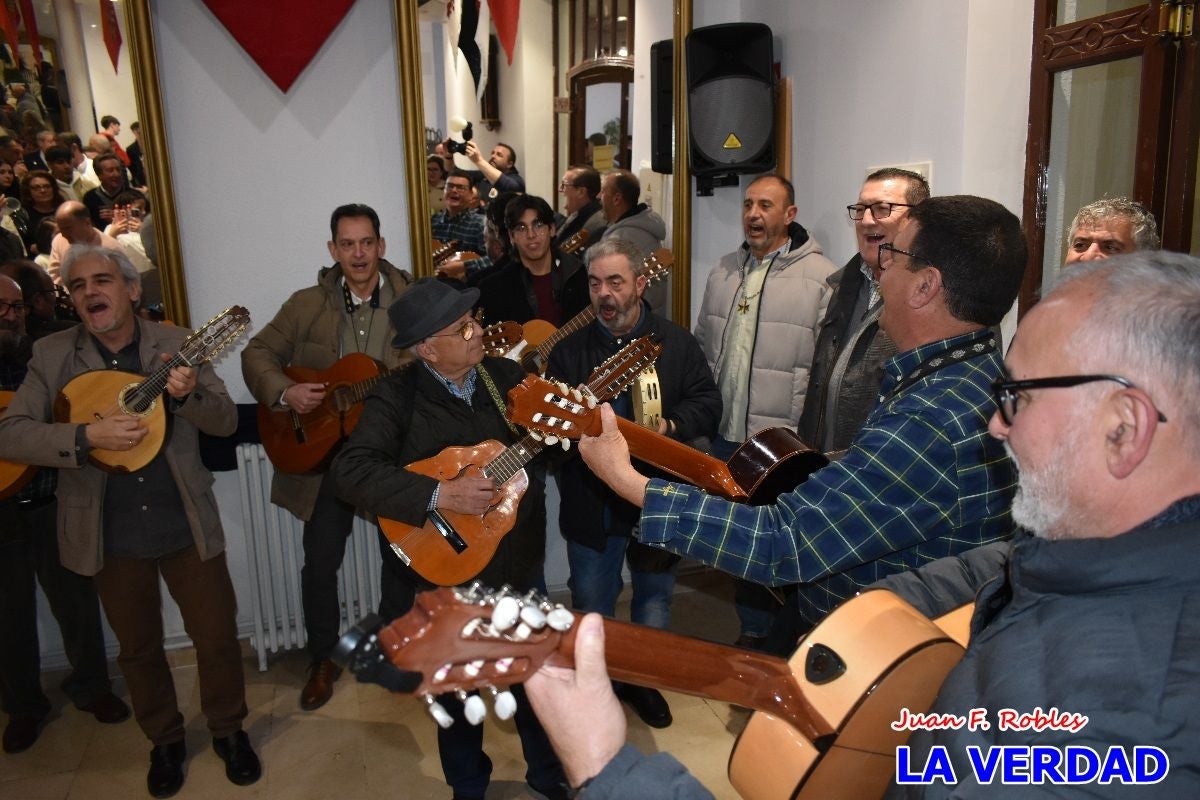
792	302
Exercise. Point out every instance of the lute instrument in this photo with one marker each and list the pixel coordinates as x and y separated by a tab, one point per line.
541	337
821	727
13	476
771	462
450	548
101	393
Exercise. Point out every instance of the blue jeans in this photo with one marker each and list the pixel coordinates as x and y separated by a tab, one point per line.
596	581
755	606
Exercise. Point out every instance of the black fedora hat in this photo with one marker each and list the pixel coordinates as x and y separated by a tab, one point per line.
425	308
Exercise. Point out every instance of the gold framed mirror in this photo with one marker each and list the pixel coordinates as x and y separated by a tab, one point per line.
408	58
140	29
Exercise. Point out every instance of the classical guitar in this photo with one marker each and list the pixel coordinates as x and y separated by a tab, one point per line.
500	337
451	548
13	476
541	336
821	727
307	442
101	393
771	462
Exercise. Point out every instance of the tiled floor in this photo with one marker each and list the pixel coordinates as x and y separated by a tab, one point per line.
365	744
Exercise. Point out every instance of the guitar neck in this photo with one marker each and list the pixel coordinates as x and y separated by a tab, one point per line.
513	459
704	669
708	473
362	388
577	322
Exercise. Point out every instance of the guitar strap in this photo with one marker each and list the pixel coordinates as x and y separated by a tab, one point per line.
982	344
495	393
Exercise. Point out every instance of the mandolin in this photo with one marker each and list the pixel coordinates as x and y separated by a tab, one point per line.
769	463
101	393
541	336
13	476
821	726
451	548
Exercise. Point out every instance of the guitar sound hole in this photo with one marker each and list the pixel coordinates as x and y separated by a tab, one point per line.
343	399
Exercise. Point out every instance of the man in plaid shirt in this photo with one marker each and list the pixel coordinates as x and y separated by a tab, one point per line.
458	222
922	479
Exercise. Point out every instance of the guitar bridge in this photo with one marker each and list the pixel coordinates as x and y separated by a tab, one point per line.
447	531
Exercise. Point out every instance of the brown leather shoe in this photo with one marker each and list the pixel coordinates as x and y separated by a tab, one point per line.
22	731
107	708
319	688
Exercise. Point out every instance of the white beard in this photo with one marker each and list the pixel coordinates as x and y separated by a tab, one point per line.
1041	504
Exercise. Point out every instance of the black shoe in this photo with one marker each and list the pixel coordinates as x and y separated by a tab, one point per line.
649	704
22	731
165	777
107	708
241	764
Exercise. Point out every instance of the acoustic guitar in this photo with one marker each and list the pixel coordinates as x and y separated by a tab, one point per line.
771	462
95	395
500	337
541	336
821	727
451	548
13	476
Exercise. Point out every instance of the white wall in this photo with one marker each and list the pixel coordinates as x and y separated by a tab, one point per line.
112	91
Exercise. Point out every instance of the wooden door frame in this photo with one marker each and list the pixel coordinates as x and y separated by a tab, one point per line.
618	71
1096	40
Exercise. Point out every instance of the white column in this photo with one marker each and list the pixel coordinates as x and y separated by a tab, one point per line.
73	56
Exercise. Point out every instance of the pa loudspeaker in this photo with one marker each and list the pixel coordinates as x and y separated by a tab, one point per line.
731	103
662	106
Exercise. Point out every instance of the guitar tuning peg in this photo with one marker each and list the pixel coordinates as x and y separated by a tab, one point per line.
566	444
562	387
537	417
505	614
567	425
473	668
503	665
591	402
533	617
560	619
551	440
440	715
536	436
474	710
549	398
442	672
522	632
577	395
503	702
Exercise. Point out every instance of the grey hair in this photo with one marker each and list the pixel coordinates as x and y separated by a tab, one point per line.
80	251
1145	326
1145	229
618	247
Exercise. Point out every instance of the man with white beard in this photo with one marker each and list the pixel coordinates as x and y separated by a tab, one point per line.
1094	610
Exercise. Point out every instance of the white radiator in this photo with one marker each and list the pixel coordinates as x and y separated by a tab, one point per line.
274	554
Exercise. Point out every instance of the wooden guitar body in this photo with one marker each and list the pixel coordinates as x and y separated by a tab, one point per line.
102	393
450	549
300	443
13	476
893	658
772	462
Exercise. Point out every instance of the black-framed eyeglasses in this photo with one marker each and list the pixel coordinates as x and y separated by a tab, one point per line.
878	210
888	247
521	229
458	187
18	307
565	185
1007	392
466	331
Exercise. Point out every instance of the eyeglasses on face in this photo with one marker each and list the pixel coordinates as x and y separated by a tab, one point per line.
466	331
566	185
536	229
1007	392
888	247
878	210
457	187
18	307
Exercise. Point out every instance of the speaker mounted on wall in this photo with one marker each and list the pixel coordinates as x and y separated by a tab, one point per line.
662	106
731	102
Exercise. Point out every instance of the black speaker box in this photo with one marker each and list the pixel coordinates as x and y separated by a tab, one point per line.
662	106
731	101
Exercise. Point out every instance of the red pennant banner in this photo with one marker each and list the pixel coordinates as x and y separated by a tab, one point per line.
281	36
10	32
111	30
505	14
31	31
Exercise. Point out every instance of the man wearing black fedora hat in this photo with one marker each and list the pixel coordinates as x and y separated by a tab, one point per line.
452	396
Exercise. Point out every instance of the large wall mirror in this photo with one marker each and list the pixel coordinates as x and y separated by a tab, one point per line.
547	136
88	88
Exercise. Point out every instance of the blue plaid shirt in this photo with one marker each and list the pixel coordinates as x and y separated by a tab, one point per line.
467	229
923	479
464	393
